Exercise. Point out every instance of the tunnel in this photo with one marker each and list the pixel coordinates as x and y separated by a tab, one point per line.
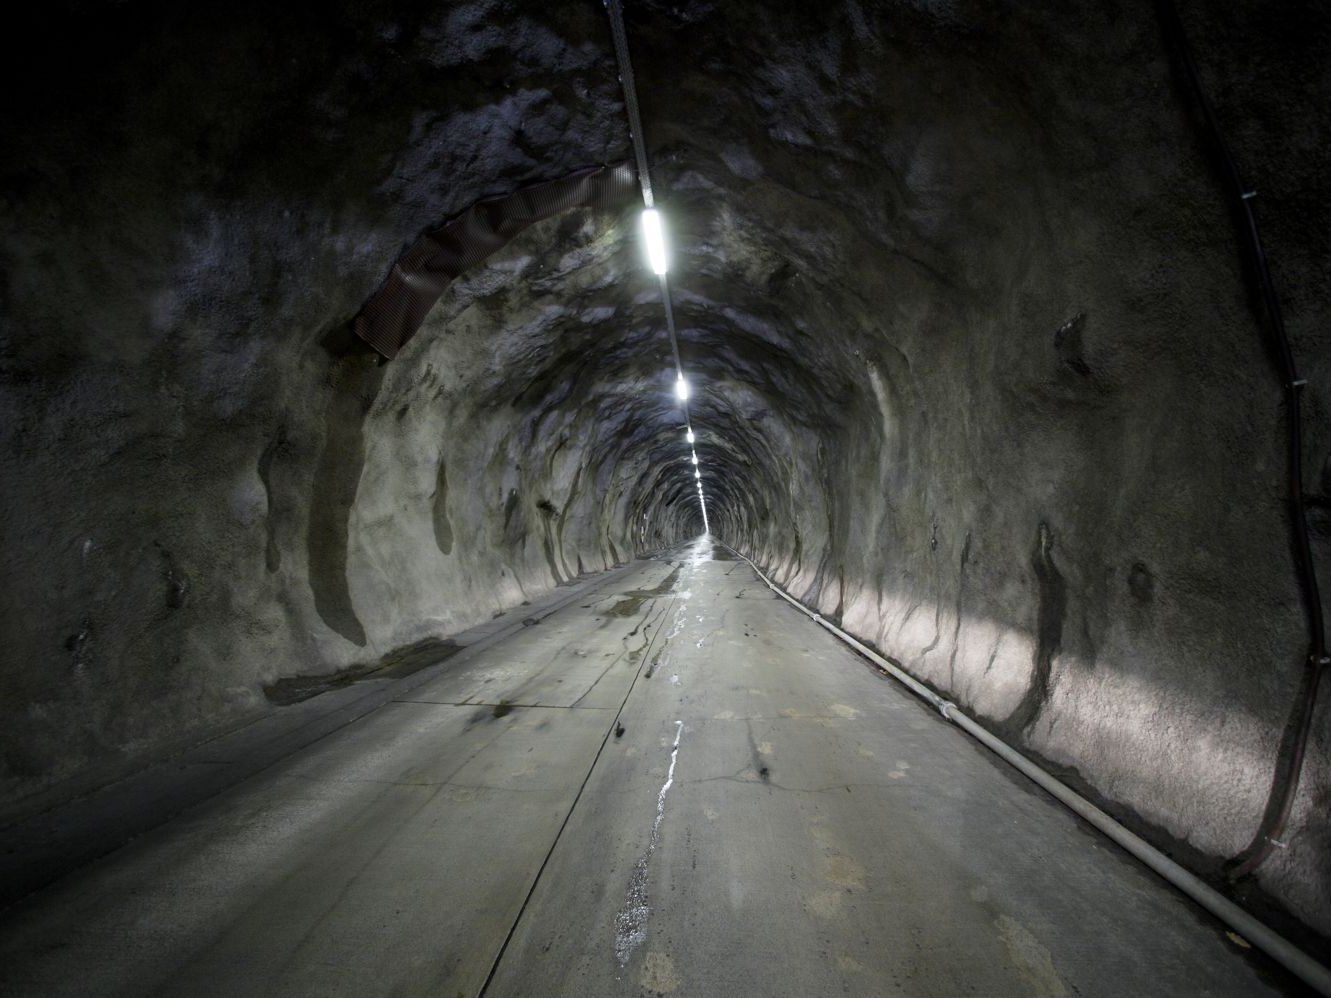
334	347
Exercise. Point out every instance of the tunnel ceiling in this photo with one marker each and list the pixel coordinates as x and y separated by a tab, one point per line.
828	184
975	370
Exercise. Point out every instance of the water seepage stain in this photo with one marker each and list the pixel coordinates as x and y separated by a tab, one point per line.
666	587
662	657
443	526
176	579
631	922
356	380
548	546
634	598
1051	609
277	447
626	607
398	663
651	668
1069	346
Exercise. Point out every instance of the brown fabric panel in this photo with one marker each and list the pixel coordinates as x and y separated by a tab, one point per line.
393	314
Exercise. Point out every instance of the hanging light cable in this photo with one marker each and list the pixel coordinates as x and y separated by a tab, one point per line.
627	82
652	223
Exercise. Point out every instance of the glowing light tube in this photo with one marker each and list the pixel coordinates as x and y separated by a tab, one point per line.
654	235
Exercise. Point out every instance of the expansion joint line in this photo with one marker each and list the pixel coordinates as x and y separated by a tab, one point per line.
545	862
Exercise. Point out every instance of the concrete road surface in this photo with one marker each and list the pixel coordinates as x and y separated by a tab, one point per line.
675	785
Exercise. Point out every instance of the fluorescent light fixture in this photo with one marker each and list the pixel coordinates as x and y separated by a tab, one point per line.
655	236
697	473
695	459
681	388
689	436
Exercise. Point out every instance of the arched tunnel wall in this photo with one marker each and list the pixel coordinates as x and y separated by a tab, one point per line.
976	369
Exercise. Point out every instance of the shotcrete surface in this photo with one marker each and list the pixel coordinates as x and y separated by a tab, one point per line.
976	371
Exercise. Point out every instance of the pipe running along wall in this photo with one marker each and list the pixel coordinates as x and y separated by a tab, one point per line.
1308	970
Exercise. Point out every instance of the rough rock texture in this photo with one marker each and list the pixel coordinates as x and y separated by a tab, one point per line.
976	367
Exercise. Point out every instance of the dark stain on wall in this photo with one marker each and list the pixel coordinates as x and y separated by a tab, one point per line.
1068	343
961	600
1141	583
549	516
548	546
443	527
1052	606
79	646
515	524
177	580
355	383
396	664
278	445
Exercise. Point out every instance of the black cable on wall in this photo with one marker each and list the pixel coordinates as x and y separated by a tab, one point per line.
1294	747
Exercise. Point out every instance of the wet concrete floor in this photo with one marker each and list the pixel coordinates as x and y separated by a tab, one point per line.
675	785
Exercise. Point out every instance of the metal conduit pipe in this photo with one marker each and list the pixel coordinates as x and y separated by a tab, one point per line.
1293	959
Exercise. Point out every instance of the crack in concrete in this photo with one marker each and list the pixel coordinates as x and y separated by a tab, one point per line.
613	662
631	922
755	780
499	956
501	703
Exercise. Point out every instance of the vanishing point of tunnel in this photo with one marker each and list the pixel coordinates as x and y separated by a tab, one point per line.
665	497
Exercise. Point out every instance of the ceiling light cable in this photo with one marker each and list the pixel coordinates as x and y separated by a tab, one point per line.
626	80
630	97
619	37
1289	760
670	322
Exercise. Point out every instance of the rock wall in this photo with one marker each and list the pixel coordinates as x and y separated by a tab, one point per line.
1049	476
976	368
204	492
